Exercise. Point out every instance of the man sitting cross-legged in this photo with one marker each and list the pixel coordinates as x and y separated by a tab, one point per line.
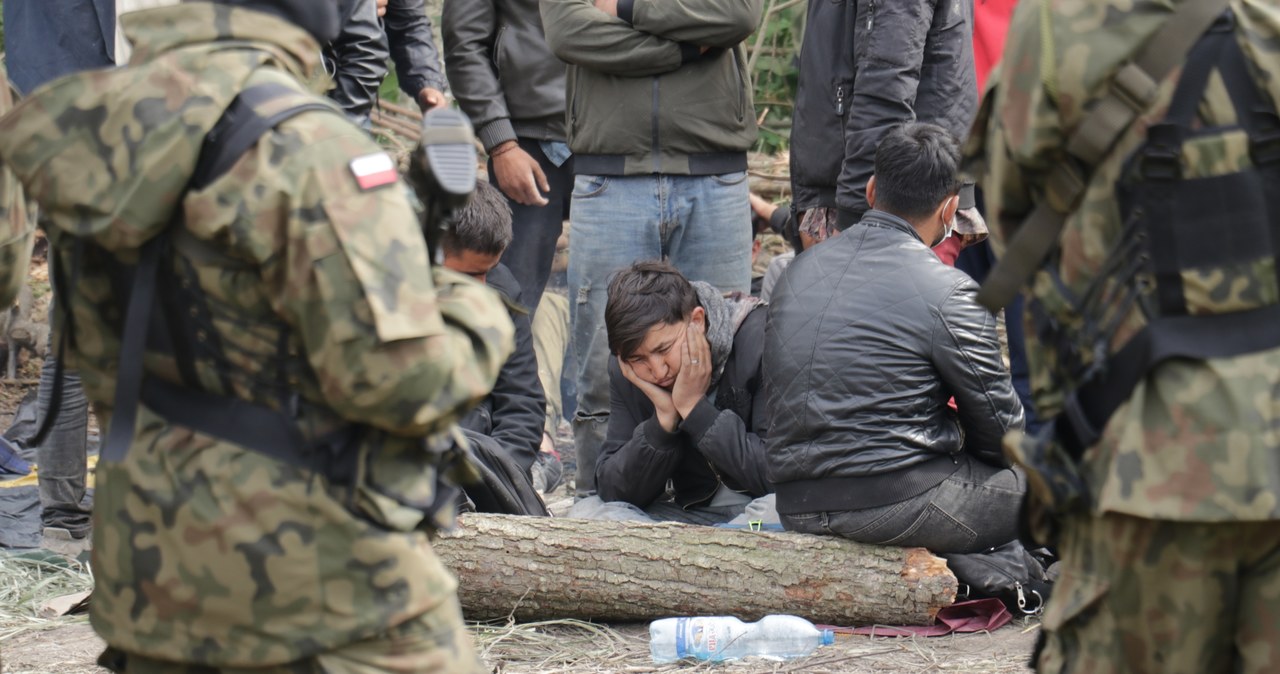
685	401
869	337
513	414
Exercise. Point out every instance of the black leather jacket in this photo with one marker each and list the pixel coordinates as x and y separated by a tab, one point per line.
413	49
867	66
357	60
869	336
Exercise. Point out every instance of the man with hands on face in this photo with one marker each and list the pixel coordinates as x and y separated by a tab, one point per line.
686	404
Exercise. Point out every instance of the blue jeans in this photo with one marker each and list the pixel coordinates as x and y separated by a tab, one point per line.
700	224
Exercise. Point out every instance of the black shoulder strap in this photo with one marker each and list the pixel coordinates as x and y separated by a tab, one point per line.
1131	92
235	133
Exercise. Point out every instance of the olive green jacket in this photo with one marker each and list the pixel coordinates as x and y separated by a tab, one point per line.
663	89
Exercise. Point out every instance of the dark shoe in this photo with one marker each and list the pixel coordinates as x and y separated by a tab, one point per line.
548	473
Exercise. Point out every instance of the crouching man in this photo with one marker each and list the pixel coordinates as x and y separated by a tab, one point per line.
686	404
512	416
870	336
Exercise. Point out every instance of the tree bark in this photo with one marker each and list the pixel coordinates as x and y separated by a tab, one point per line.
534	568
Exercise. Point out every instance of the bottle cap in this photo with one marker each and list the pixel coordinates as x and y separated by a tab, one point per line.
828	637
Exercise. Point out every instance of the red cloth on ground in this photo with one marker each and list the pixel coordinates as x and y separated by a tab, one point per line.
979	615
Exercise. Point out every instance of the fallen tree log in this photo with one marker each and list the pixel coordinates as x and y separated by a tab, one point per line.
535	568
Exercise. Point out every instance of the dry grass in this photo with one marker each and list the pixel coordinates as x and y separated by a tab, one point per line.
27	582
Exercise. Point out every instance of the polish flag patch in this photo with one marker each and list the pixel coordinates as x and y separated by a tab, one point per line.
374	170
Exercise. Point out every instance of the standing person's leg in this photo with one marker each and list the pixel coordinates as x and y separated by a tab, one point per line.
615	222
709	238
535	229
62	457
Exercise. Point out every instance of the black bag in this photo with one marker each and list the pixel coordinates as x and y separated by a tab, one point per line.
504	487
1010	573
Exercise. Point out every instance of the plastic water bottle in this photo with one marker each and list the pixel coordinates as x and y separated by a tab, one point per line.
776	637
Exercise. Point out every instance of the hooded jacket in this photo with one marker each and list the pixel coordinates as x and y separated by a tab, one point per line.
867	66
869	336
204	551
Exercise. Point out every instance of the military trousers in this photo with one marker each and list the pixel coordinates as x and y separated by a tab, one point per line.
1139	596
436	642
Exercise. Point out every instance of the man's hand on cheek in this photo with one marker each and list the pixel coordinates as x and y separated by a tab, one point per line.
695	370
663	407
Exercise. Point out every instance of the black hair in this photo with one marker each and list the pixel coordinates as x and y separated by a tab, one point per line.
916	169
641	296
482	226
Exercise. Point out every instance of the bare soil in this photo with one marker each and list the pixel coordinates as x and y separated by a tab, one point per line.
72	649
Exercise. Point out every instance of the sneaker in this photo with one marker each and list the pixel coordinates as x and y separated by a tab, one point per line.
67	544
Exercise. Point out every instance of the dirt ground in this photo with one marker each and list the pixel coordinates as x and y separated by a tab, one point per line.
72	649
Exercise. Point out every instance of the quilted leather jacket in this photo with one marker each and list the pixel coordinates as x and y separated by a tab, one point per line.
870	336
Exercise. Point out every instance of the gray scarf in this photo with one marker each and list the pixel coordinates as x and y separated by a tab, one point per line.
724	316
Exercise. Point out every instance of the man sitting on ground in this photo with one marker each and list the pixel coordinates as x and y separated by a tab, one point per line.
869	336
685	401
513	413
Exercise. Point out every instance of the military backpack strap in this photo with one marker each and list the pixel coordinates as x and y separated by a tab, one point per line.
235	133
1180	236
1130	93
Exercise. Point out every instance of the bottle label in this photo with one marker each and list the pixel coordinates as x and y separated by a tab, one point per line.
696	637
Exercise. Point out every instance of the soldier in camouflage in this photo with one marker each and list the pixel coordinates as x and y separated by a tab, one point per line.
1171	552
209	557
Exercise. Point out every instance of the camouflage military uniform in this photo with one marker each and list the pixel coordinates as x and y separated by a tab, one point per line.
204	552
16	228
1174	566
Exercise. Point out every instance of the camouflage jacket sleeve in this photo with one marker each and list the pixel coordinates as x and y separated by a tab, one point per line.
16	230
391	346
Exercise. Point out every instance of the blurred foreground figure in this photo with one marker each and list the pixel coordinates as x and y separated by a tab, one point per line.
249	301
1129	160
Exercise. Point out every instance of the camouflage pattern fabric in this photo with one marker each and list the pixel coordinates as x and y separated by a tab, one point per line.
433	643
205	552
1168	527
771	246
1139	595
16	229
1197	441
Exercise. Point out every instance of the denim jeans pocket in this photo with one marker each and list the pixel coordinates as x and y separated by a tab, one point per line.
585	187
735	178
937	530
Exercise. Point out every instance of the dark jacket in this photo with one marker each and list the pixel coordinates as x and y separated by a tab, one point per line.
413	50
357	59
867	66
719	442
869	336
643	97
48	39
502	72
514	413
